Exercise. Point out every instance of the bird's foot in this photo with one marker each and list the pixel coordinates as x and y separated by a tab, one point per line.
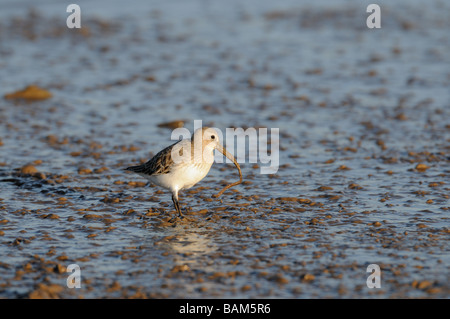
174	219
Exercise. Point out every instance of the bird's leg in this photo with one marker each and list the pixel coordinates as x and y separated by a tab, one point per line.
176	204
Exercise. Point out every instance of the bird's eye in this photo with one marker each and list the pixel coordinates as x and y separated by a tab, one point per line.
213	137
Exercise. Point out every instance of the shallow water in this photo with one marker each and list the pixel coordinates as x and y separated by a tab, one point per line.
357	110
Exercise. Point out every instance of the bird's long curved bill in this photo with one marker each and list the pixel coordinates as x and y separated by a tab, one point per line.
222	149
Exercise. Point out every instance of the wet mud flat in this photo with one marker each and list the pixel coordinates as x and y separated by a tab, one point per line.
364	150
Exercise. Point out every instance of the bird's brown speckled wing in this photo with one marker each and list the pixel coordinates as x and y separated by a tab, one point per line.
157	165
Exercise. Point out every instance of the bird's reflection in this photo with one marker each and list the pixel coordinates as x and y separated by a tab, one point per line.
191	248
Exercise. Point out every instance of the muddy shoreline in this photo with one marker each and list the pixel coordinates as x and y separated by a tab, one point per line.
364	151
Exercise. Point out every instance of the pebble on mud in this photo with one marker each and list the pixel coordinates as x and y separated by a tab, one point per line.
308	277
422	284
31	170
422	167
60	269
324	188
30	93
280	279
172	125
51	216
354	186
180	268
28	170
84	171
44	291
376	224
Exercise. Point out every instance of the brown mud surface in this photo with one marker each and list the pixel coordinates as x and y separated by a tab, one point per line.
364	150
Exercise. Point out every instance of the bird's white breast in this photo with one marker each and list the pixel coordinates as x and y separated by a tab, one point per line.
182	176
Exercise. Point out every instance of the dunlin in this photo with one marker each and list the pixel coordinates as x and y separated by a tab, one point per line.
185	163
